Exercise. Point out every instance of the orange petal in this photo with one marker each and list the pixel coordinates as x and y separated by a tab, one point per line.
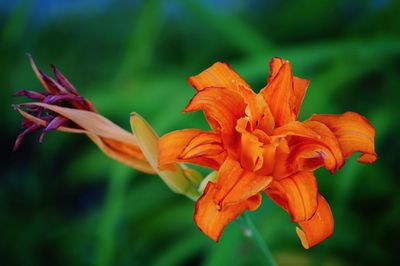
222	108
228	175
284	93
354	133
251	152
310	155
125	153
328	139
312	145
280	168
274	67
300	87
279	92
319	227
296	194
222	75
295	128
218	75
269	152
192	146
212	220
258	111
248	186
262	136
243	125
235	184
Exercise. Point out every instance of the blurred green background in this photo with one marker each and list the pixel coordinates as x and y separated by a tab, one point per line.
65	203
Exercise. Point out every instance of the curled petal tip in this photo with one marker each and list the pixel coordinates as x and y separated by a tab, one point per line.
41	136
367	158
18	93
16	144
31	61
30	94
319	227
30	58
303	238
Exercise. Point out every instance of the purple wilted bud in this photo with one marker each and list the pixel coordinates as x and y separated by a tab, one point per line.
60	107
59	92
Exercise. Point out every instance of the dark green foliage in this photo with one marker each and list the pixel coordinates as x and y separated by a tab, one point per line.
65	203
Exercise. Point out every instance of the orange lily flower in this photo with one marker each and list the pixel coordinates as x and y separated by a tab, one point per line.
257	145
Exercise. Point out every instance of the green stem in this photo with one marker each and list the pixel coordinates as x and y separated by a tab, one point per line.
253	233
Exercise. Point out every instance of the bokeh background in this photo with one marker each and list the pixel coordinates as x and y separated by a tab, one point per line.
64	202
